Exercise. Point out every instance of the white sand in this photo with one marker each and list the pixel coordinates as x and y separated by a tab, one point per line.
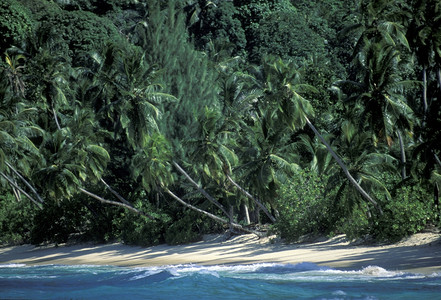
421	253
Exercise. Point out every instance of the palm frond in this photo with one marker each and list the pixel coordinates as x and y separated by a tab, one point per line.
283	164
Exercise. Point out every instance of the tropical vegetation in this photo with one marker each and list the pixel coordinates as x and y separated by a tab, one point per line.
159	121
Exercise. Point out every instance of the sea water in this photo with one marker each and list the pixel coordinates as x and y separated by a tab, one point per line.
257	281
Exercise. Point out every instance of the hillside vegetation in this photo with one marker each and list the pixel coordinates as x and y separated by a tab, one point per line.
159	121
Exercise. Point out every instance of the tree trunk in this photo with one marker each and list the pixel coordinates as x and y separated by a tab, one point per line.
14	185
214	217
438	161
344	168
242	190
231	214
438	75
56	118
115	193
403	156
201	190
16	193
127	206
247	214
425	105
25	182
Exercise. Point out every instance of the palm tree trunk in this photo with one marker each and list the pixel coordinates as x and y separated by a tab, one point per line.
403	156
247	214
242	190
438	73
425	105
115	193
14	185
56	118
344	168
127	206
25	182
16	194
438	161
201	190
214	217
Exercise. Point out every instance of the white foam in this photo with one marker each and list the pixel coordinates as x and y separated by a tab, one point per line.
339	293
146	274
13	266
378	271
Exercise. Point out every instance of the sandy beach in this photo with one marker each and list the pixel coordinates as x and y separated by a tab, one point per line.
420	253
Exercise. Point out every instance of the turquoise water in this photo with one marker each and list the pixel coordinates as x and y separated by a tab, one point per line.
259	281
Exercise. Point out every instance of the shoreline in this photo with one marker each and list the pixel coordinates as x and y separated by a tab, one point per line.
420	253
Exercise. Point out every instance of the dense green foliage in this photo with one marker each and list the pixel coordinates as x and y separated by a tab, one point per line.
16	220
305	206
16	24
158	121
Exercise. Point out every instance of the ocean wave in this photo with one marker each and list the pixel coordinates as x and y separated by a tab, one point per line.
255	268
253	281
263	271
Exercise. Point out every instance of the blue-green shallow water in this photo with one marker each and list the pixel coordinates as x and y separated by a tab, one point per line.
259	281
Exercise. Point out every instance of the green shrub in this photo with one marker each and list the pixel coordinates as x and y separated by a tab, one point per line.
16	220
304	206
355	223
139	230
184	230
57	222
408	212
16	24
286	34
219	24
74	34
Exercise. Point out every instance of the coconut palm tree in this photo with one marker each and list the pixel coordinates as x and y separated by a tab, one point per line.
366	163
424	35
379	96
283	88
18	153
378	20
130	96
153	166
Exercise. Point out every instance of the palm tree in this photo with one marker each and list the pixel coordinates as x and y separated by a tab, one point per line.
379	96
424	35
265	161
366	163
133	98
49	87
239	94
284	89
320	161
378	20
18	153
153	165
14	73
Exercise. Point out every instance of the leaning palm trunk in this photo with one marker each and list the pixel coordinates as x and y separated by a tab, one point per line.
403	156
25	182
115	193
201	190
14	185
56	118
17	194
127	206
242	190
344	168
214	217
